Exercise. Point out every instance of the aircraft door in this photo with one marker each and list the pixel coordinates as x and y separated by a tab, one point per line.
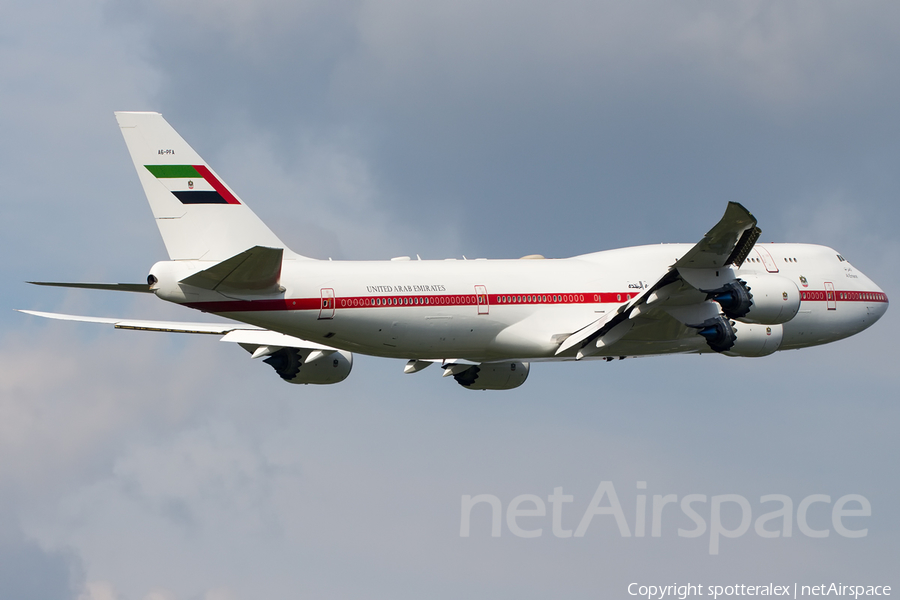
830	296
481	298
767	259
326	307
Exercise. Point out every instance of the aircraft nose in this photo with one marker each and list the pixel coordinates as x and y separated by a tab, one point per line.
884	302
877	301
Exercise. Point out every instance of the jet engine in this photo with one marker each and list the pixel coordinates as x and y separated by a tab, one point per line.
735	338
719	333
493	376
294	365
753	339
766	299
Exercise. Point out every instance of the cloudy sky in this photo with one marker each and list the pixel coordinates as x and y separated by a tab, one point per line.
156	467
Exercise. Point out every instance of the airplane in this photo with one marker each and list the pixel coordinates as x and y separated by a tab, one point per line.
483	321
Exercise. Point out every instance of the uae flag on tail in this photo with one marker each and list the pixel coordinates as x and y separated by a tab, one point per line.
192	184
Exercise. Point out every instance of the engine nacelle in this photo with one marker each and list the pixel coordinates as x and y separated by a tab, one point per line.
766	299
719	333
293	365
753	339
494	376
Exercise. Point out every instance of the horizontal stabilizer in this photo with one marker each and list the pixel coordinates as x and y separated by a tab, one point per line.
255	270
118	287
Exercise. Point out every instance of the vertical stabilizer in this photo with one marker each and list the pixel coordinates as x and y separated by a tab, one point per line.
199	217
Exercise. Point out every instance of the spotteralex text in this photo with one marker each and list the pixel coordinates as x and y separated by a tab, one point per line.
688	590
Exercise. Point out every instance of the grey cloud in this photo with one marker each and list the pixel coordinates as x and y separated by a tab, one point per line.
28	571
493	112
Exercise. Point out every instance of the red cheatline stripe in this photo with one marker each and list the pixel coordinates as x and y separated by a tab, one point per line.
257	305
216	184
842	296
495	300
409	300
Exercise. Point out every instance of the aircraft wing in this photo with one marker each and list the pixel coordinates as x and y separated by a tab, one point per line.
728	242
680	298
251	338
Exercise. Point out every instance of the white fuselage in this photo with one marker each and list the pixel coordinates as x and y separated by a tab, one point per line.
490	310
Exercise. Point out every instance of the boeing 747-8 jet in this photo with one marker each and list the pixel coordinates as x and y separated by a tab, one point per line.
483	321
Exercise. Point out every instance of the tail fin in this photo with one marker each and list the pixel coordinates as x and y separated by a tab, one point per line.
198	216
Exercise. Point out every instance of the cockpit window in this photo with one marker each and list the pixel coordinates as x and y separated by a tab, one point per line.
841	258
